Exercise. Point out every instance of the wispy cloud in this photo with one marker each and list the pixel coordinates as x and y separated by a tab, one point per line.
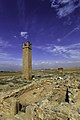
69	52
69	56
7	59
21	12
4	43
55	64
65	7
9	62
69	33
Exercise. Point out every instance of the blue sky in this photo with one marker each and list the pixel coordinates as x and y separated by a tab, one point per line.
52	26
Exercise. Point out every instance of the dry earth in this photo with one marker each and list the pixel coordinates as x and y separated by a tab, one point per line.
48	96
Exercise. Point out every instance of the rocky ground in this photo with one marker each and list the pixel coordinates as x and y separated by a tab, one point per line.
46	97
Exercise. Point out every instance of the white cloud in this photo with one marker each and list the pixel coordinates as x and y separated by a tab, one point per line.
70	52
24	34
65	7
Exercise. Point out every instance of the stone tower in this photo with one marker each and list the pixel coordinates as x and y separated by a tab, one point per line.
27	61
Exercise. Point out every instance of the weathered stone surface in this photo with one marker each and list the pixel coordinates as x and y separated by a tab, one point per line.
27	61
41	99
29	113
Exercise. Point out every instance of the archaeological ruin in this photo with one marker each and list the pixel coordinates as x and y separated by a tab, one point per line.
60	70
52	94
27	60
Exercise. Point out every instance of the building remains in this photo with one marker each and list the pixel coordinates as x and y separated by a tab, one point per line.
60	70
27	61
56	97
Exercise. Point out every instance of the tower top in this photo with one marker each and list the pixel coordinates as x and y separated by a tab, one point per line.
27	45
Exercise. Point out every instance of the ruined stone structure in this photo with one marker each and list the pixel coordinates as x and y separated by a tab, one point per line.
60	70
43	99
46	98
27	61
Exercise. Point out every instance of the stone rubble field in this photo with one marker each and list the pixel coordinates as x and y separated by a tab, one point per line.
46	97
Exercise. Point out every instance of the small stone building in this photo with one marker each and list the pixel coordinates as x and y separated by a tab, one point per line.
60	70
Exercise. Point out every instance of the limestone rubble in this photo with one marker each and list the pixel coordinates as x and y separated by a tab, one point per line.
46	98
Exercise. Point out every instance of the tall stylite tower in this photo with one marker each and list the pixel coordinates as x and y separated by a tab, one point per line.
27	61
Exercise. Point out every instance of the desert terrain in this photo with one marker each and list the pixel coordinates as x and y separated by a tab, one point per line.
50	95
